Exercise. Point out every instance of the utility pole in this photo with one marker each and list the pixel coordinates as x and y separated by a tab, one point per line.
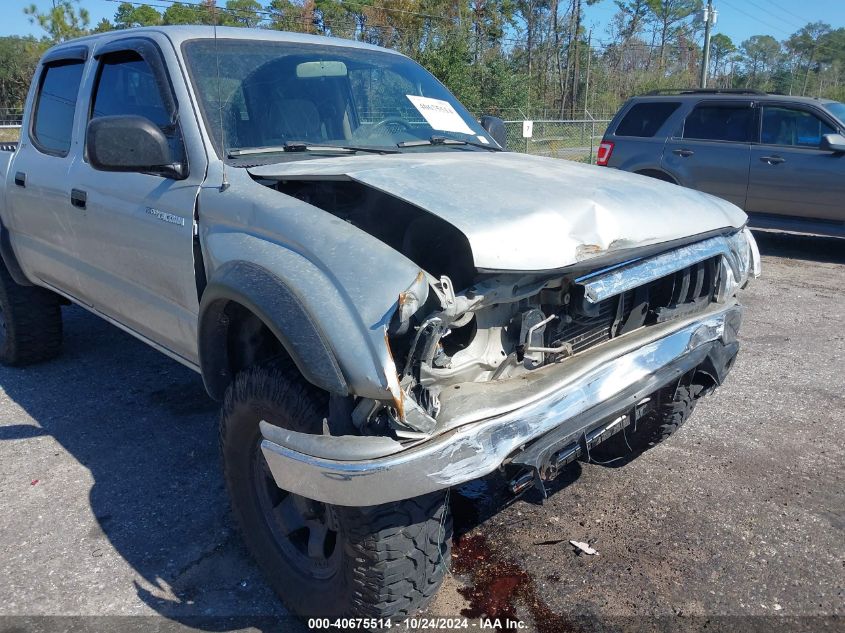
709	21
587	80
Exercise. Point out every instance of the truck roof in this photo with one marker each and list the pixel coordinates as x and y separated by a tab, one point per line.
181	33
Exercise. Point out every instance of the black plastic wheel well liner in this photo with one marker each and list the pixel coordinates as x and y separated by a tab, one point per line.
279	308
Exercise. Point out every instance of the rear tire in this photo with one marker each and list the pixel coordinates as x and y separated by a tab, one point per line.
323	560
30	322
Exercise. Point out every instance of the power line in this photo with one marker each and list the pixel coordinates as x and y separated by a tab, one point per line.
816	45
776	17
754	17
777	6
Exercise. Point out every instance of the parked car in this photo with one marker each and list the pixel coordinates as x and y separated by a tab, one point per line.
780	158
386	303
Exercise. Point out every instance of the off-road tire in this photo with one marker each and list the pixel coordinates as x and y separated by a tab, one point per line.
674	407
392	557
30	322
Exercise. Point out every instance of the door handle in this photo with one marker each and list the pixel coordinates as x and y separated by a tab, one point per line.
773	160
78	198
20	179
683	152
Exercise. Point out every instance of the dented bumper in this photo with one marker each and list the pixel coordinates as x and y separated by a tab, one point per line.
487	424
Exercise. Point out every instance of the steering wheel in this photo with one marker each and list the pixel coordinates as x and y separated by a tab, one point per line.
388	127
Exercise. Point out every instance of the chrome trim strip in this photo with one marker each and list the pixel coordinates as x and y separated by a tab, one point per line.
619	280
477	448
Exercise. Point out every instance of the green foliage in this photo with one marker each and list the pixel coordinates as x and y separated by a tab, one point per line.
64	20
129	15
285	15
246	13
103	26
761	53
515	58
18	58
178	13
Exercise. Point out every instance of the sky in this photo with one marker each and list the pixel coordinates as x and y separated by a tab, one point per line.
738	19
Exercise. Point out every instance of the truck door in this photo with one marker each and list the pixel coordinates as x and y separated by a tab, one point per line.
712	151
790	174
42	220
137	243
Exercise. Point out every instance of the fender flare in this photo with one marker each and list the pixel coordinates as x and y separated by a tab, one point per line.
9	259
270	299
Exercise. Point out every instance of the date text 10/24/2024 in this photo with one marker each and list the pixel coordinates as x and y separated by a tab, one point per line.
418	624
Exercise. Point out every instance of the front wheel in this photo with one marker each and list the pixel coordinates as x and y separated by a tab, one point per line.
324	560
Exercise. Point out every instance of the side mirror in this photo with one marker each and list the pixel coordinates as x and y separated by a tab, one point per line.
130	143
495	127
833	143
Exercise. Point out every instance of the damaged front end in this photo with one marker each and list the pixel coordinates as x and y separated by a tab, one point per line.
506	326
480	366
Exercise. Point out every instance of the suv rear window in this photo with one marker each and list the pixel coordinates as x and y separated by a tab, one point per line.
644	119
720	123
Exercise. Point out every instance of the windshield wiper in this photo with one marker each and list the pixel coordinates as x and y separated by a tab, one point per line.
447	140
302	146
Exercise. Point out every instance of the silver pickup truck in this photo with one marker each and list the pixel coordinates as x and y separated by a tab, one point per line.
387	303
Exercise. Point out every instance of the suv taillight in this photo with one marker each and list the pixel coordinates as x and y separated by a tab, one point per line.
603	153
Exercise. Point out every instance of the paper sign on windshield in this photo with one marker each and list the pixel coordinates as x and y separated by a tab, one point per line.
439	114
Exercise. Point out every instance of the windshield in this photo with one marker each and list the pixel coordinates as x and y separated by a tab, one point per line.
837	109
273	93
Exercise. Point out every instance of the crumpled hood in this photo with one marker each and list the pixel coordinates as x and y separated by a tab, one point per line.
529	213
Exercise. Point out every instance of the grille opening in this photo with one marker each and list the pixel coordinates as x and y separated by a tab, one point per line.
584	325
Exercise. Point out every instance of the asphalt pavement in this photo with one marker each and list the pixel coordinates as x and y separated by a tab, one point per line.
113	502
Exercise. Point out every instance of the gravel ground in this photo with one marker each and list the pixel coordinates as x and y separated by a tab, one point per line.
114	505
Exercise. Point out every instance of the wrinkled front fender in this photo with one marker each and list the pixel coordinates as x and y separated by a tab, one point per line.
327	288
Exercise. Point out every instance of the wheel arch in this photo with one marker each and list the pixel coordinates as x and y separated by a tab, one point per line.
9	259
657	174
243	290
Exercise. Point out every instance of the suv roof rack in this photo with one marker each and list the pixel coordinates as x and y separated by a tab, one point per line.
710	91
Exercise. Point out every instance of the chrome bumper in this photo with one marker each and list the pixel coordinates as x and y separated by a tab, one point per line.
362	471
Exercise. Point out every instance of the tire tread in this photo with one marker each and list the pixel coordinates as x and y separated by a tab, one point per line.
395	554
33	322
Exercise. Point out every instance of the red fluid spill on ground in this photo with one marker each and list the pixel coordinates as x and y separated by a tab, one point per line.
497	584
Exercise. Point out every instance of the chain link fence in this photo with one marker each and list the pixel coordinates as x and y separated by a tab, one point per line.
574	139
11	117
10	124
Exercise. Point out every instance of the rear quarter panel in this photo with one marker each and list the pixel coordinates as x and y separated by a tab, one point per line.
634	153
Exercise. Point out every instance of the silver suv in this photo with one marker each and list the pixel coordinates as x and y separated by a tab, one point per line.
781	159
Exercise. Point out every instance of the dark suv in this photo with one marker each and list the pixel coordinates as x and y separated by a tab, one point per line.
781	159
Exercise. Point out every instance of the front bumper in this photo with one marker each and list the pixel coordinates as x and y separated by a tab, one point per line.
487	428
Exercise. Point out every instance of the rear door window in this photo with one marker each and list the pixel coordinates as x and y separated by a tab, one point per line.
791	126
720	122
55	106
644	119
